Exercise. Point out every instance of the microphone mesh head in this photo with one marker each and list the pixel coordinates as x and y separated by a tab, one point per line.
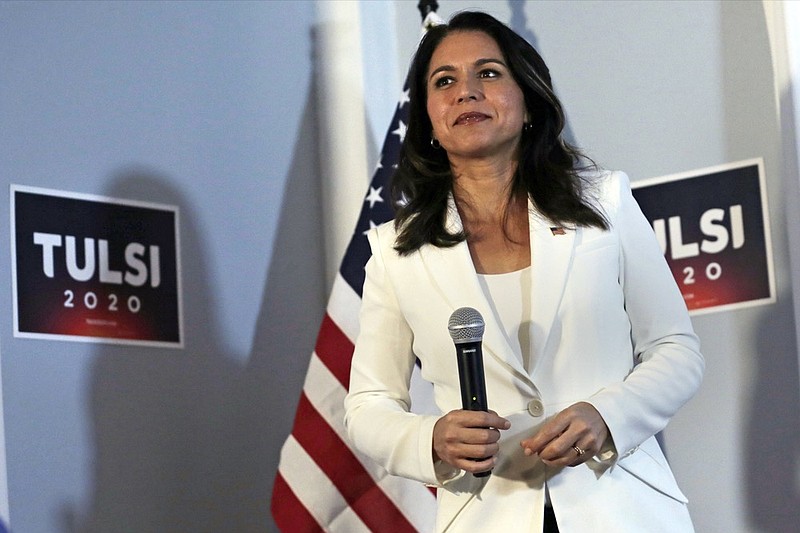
465	325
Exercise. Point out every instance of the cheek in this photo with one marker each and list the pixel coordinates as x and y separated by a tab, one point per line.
514	102
435	116
520	112
517	110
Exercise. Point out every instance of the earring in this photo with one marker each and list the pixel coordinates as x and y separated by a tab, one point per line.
435	143
526	127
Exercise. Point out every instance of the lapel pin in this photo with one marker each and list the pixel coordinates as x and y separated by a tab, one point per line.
558	230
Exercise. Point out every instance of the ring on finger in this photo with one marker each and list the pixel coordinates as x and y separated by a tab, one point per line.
580	451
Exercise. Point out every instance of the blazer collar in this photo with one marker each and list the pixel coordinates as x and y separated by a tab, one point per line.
453	272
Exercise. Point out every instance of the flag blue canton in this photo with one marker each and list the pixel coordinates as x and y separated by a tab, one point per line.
377	207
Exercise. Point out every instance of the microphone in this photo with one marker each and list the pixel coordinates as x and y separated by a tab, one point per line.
466	329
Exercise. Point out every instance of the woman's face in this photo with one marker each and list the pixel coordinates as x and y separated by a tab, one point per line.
476	108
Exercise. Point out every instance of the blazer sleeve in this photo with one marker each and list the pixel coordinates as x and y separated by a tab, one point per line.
668	365
377	407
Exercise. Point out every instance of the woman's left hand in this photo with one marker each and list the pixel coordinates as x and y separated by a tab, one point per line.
570	438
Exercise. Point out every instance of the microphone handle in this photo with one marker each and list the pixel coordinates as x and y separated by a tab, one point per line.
471	377
472	380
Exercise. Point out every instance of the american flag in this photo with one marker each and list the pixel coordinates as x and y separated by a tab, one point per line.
322	483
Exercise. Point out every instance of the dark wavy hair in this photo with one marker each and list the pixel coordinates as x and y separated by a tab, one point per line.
550	171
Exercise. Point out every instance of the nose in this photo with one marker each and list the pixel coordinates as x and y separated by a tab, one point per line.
470	90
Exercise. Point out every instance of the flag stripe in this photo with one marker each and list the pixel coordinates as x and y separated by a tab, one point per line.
335	350
316	492
327	395
344	306
346	472
289	513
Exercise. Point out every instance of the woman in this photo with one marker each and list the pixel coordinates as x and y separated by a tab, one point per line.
588	348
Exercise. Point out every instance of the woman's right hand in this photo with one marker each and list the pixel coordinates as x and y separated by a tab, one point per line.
468	439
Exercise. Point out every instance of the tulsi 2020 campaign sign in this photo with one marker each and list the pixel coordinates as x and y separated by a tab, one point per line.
713	227
97	269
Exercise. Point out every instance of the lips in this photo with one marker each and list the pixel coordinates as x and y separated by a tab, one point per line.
470	118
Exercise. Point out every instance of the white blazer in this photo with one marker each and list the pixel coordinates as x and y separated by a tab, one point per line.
609	327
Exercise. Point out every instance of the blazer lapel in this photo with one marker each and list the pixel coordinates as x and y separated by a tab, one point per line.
551	256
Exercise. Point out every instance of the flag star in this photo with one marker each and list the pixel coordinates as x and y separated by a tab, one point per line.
374	196
401	130
372	226
404	98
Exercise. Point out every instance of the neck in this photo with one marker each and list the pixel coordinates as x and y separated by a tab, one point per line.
496	222
482	190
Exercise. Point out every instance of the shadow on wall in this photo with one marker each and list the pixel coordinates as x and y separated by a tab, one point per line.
773	425
188	440
520	24
288	322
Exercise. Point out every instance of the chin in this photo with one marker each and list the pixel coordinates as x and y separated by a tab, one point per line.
480	151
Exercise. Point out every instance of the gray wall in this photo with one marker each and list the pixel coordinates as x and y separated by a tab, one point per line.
210	106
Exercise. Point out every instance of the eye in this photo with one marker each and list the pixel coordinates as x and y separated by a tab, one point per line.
489	73
442	81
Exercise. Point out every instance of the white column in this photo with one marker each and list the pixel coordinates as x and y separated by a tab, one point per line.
783	25
342	135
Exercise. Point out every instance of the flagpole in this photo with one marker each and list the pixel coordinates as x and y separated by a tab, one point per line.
426	7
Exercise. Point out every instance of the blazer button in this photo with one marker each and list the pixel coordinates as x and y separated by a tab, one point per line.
536	407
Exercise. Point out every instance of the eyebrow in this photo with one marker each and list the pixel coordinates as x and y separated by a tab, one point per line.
478	63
